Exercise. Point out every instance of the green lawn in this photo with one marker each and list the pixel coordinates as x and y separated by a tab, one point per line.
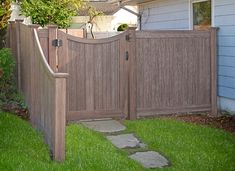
188	147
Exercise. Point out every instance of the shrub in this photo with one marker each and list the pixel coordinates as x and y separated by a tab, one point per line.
122	27
10	99
7	82
7	63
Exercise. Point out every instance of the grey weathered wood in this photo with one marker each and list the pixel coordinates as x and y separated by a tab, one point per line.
52	50
18	52
167	72
43	89
132	100
173	72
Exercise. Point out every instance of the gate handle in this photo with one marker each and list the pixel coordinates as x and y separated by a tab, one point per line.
127	55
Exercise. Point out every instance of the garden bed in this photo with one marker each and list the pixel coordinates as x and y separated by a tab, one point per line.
222	121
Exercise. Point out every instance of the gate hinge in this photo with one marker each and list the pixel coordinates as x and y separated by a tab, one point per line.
57	42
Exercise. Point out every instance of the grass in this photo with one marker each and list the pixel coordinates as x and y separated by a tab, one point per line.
188	147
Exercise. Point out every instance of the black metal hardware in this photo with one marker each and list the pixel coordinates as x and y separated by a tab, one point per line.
57	42
127	55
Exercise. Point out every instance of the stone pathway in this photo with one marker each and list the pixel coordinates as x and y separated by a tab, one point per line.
105	126
148	159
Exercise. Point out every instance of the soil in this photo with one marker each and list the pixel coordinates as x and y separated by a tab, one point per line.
222	121
17	110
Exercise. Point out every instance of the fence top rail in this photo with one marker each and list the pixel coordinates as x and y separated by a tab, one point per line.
172	34
94	41
44	61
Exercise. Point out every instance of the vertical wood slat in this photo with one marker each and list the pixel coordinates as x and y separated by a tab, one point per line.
60	119
213	41
44	41
52	50
123	65
132	99
18	59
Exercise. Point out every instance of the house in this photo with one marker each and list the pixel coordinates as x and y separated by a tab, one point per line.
185	15
106	24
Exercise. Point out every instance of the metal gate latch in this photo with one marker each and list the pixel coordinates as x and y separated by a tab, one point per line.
57	42
127	55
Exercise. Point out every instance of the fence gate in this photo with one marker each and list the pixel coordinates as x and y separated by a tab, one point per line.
137	73
98	76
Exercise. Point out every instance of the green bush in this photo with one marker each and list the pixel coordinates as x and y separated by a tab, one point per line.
7	81
7	64
8	90
10	99
122	27
43	12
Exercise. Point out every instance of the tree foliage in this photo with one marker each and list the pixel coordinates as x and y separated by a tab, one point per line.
43	12
92	12
5	14
202	13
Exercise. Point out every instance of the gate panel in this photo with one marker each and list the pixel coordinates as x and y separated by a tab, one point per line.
97	84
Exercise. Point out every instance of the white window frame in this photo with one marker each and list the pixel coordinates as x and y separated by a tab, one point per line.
191	2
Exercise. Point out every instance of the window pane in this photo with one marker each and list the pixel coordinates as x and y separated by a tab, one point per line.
202	15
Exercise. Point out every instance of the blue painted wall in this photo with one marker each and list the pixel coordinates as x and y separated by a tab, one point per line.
224	12
165	14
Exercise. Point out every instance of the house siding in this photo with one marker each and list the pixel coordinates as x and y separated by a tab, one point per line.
224	18
165	14
175	14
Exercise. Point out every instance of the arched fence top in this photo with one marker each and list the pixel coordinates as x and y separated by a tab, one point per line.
94	41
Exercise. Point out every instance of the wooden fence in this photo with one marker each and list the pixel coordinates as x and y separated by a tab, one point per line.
131	75
43	89
176	72
166	72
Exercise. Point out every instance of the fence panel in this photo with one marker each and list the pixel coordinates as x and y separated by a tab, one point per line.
167	72
173	72
44	90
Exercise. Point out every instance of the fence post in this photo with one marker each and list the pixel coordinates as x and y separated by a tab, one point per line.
10	33
52	50
18	45
59	119
132	107
213	41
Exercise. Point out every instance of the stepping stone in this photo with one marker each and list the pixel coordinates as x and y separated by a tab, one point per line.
106	126
125	141
150	159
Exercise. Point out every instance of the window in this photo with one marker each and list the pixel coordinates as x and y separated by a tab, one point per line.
202	15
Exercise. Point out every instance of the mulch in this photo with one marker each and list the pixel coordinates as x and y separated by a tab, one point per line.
222	121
